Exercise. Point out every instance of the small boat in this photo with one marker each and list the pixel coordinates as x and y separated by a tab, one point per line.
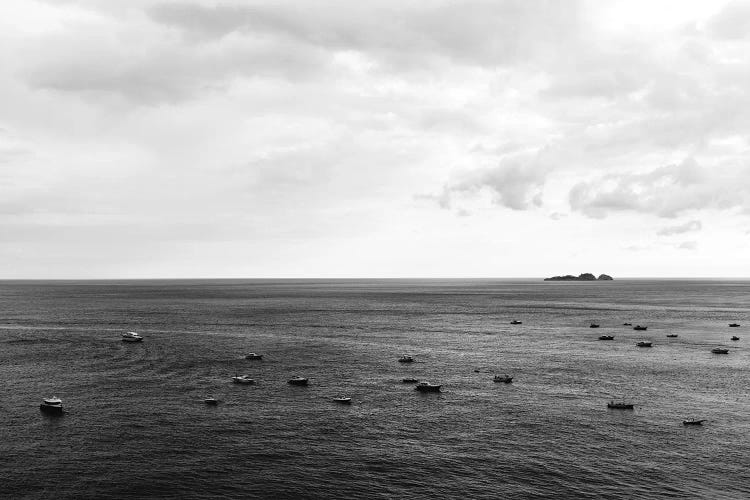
606	337
427	387
297	381
131	337
243	379
735	337
643	344
409	380
672	335
52	406
211	401
734	325
693	421
593	325
640	328
619	405
502	378
343	401
627	324
405	359
516	322
719	350
252	355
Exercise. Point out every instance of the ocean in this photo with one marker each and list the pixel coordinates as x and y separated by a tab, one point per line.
136	425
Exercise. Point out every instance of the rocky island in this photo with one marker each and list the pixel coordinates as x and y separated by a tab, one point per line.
580	277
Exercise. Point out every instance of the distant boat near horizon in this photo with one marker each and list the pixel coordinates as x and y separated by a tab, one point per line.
254	356
735	337
719	350
671	335
594	325
52	406
427	387
297	381
693	421
620	405
640	328
516	322
505	379
243	379
643	343
606	337
734	325
131	337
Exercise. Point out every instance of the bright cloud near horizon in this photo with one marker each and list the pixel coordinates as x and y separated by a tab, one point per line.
514	138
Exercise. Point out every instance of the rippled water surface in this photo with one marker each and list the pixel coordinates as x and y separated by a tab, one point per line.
136	425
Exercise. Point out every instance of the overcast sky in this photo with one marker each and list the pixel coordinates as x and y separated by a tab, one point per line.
374	139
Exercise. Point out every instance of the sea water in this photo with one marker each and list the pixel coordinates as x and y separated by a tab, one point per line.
136	425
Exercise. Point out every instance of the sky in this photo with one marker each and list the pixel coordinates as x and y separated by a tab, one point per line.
339	139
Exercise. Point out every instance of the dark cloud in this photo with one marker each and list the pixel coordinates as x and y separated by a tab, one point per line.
690	226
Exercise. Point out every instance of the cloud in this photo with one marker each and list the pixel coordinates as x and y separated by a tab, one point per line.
664	192
693	225
516	183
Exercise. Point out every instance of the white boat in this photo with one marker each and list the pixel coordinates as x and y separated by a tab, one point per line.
52	406
343	401
427	387
242	379
131	337
252	355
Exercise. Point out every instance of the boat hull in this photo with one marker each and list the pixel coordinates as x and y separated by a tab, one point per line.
51	410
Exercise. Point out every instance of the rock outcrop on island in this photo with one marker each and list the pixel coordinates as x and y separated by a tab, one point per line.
580	277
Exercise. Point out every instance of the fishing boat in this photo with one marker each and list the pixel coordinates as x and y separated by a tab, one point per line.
719	350
619	405
52	406
243	379
640	328
252	355
343	401
297	381
131	337
606	337
502	378
427	387
693	421
643	344
406	359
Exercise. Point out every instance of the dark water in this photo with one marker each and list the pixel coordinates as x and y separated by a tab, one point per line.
137	427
